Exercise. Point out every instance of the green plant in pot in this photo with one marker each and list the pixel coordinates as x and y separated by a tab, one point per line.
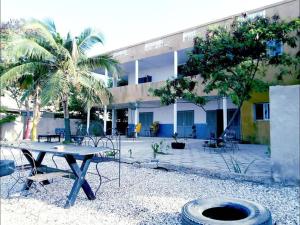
154	128
176	144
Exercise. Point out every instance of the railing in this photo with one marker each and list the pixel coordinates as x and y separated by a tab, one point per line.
140	92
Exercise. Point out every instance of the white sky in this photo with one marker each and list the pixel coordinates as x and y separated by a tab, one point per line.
126	22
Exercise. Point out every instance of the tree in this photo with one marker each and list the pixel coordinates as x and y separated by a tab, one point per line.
94	94
59	63
235	61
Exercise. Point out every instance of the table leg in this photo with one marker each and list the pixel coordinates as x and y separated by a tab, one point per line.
80	181
34	163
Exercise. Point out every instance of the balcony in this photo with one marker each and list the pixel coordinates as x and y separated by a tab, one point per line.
140	92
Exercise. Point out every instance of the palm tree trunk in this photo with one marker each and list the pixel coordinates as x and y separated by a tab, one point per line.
36	114
27	125
88	120
66	119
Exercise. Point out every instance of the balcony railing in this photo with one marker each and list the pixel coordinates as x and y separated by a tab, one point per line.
140	92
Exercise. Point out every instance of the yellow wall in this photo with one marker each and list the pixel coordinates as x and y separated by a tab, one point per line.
254	131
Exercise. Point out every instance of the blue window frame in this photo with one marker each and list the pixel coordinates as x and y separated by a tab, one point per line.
274	48
262	111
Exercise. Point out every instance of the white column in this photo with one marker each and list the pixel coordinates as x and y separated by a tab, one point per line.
175	118
88	120
106	77
105	119
136	78
224	113
175	104
114	82
175	64
113	118
136	115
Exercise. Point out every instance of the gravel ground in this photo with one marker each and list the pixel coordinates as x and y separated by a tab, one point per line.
146	196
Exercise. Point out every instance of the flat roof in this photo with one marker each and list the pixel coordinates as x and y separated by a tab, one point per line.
198	26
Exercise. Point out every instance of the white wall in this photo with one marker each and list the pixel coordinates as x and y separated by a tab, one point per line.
285	132
15	130
48	125
157	73
165	114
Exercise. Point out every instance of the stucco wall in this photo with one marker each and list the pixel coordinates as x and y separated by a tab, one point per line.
285	132
15	130
255	131
48	125
157	73
165	114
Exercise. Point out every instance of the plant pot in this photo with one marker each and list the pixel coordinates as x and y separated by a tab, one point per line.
178	145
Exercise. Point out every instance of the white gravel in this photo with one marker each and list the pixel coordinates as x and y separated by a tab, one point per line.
146	196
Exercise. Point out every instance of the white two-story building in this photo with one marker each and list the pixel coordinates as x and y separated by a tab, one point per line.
149	64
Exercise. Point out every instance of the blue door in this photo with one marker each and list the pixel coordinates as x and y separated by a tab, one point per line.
185	121
146	119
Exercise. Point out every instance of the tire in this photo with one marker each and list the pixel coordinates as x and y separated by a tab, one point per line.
7	167
206	211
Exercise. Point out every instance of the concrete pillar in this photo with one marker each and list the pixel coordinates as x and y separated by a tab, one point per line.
136	115
285	133
175	117
136	78
113	119
115	83
224	113
105	119
175	104
175	64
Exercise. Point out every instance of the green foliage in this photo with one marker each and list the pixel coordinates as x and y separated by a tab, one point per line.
233	165
159	148
8	117
154	127
180	88
57	64
234	60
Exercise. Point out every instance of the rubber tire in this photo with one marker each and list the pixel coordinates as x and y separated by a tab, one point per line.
7	167
192	212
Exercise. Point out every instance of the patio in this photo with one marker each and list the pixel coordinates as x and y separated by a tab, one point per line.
146	196
193	159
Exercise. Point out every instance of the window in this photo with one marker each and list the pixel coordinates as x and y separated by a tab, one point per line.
274	48
145	79
262	111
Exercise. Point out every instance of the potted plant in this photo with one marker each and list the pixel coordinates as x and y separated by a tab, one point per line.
154	128
176	144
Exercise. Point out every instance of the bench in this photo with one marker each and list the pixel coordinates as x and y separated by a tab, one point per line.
46	176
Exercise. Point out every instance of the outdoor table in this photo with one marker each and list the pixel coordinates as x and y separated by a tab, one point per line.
69	152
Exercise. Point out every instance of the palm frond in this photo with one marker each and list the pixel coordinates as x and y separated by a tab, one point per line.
87	39
94	90
102	61
68	42
20	48
53	87
38	31
13	74
50	25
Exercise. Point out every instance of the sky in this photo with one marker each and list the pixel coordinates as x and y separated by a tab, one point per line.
126	22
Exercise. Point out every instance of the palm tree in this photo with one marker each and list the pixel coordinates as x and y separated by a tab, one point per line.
92	95
59	63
